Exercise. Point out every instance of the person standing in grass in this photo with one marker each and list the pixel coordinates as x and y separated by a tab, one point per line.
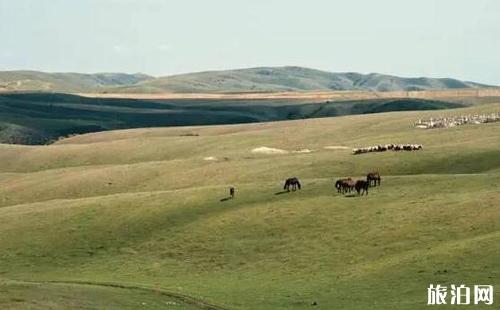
231	192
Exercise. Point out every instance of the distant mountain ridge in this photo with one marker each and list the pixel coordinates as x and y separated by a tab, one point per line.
66	82
272	79
261	79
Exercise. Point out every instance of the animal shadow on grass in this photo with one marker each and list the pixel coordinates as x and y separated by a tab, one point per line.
226	199
281	193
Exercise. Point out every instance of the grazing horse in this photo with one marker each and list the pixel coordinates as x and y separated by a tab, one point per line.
362	185
231	192
348	185
373	177
344	185
338	185
293	182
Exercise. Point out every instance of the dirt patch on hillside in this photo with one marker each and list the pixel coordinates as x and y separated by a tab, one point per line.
273	151
268	150
336	147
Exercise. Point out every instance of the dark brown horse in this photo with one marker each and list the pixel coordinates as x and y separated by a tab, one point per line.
373	177
362	187
293	182
338	185
344	185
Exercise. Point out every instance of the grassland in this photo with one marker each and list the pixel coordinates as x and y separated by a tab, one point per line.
141	209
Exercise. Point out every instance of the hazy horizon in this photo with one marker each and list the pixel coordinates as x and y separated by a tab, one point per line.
429	38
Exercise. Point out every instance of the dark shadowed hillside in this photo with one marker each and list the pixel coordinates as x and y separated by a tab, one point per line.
40	118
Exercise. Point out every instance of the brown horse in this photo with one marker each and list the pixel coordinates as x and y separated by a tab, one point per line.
362	187
293	182
373	177
344	185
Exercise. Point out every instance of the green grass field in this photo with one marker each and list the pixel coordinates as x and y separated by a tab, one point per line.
133	219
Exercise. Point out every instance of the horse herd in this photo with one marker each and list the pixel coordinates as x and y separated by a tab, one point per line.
343	186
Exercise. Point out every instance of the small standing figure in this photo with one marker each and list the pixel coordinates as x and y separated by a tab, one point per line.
231	192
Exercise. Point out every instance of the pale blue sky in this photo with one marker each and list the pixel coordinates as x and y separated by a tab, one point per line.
436	38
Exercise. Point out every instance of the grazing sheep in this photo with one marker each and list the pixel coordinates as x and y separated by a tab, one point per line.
387	147
448	122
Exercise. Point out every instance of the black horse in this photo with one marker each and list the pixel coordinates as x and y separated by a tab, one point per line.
293	182
338	185
362	186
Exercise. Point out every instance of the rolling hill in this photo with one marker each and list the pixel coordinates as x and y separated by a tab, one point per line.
136	219
41	118
272	79
265	79
65	82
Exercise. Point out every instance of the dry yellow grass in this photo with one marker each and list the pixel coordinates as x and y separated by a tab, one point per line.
332	95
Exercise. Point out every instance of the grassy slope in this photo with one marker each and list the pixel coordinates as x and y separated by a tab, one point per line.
65	82
40	118
26	295
142	207
265	79
272	79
